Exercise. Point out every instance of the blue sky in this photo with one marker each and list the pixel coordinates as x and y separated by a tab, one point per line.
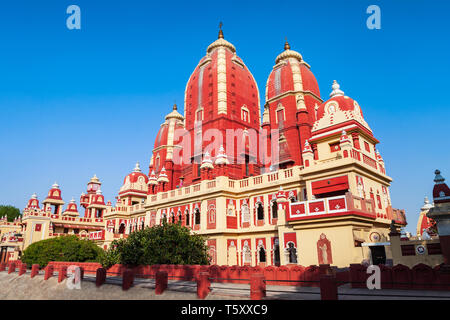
78	102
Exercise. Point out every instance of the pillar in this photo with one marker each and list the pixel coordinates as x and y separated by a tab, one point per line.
161	278
48	272
203	285
100	277
12	267
355	137
257	286
127	279
328	287
62	274
22	269
34	270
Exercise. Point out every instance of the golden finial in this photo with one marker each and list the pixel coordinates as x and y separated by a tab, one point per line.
286	44
220	30
174	106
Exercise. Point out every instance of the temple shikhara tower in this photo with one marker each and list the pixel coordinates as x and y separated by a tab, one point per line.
296	180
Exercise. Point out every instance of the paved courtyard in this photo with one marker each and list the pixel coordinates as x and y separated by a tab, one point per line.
17	287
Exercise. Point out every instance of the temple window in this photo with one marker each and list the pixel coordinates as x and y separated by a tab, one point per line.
245	116
157	164
274	210
199	115
187	216
280	115
245	213
260	211
197	216
262	254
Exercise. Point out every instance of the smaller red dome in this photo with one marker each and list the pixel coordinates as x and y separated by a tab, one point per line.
54	193
135	176
441	192
33	203
337	110
345	104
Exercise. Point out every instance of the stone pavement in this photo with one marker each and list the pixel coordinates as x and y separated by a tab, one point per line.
14	286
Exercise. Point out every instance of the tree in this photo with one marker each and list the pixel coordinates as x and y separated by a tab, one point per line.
65	248
9	211
164	244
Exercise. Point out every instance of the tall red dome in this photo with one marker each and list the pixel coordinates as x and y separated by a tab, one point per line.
221	85
292	93
221	94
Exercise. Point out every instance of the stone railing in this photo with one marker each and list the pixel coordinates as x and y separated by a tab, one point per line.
224	183
60	218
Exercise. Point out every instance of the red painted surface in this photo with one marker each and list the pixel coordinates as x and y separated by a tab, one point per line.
257	286
203	285
328	287
161	279
330	185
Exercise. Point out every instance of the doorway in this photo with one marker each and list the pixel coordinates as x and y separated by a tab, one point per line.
378	254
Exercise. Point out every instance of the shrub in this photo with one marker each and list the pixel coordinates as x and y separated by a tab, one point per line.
10	212
65	248
164	244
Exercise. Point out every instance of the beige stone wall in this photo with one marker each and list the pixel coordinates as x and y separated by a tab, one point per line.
411	261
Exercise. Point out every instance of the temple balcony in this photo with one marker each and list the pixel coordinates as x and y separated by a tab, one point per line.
121	209
223	183
338	206
351	156
27	214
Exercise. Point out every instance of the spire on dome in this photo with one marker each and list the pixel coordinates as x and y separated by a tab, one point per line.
94	179
55	186
137	168
174	114
286	45
34	196
220	42
220	31
438	179
441	192
336	90
426	204
288	53
72	201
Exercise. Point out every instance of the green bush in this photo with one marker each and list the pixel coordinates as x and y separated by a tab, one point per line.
111	256
10	212
164	244
65	248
